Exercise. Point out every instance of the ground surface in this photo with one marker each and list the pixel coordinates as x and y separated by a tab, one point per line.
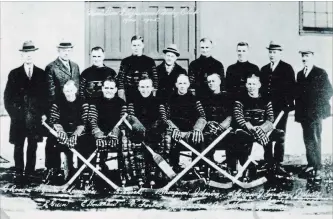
296	201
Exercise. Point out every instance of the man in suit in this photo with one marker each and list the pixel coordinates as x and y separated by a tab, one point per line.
58	73
278	83
201	67
25	99
132	68
237	73
168	72
312	106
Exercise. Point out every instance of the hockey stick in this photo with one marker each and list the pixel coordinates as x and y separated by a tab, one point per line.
233	179
196	160
158	159
91	157
113	185
251	158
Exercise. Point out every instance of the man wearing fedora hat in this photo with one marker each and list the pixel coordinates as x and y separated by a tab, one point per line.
313	93
278	83
168	72
58	73
201	67
25	99
132	68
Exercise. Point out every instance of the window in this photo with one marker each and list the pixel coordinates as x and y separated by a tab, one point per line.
316	17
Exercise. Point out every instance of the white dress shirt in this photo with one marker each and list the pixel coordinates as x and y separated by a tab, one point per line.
28	69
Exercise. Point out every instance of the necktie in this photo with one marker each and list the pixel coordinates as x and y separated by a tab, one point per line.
272	64
305	71
29	73
67	66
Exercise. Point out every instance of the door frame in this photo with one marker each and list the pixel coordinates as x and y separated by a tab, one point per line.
87	33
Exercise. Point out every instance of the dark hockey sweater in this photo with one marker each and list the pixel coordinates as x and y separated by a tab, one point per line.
69	115
182	110
254	110
91	81
145	109
105	114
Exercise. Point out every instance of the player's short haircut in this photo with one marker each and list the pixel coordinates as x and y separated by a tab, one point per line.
183	75
110	79
144	77
243	44
137	37
253	75
205	39
214	73
96	48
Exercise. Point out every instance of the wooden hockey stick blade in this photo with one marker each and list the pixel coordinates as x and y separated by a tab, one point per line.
254	183
233	179
196	160
219	185
164	166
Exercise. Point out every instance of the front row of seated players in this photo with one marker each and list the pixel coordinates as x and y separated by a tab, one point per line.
181	117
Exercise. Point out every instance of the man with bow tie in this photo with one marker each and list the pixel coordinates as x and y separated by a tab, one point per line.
25	100
278	83
58	73
313	94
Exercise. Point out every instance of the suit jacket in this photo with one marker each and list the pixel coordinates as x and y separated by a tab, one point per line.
166	82
279	85
26	101
58	75
312	95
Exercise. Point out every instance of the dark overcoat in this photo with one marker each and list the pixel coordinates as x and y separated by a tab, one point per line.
312	95
26	101
279	85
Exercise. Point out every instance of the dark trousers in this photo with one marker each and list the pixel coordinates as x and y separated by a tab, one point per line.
85	146
244	145
312	140
282	125
52	154
30	156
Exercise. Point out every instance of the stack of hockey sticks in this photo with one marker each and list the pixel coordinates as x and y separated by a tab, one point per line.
65	187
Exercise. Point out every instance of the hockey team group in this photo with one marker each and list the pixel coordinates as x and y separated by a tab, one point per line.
147	115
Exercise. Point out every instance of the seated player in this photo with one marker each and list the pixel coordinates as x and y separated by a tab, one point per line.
186	119
254	117
104	115
217	106
144	115
68	117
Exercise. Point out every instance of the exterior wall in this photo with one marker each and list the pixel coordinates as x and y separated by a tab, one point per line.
257	23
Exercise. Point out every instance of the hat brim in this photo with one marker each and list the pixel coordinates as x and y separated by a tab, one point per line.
274	48
167	50
28	50
306	52
65	47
